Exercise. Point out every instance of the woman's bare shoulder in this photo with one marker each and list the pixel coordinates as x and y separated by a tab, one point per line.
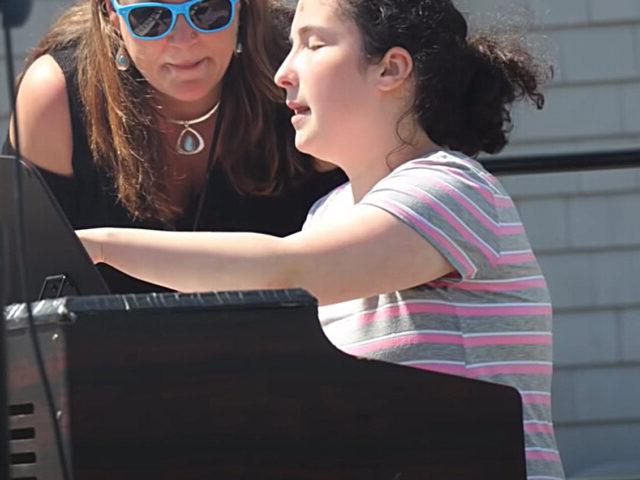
44	119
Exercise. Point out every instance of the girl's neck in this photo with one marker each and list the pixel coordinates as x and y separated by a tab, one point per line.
366	173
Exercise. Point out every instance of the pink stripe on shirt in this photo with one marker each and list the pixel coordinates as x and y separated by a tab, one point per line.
510	369
498	199
390	311
436	236
450	339
516	258
492	286
536	399
546	456
462	228
478	213
487	193
538	428
401	340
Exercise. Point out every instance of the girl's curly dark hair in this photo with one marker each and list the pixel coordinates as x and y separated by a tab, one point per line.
464	86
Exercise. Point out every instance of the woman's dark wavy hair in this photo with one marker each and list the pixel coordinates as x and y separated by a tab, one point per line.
256	148
464	86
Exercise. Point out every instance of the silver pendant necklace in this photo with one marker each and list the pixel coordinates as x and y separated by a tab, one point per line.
190	142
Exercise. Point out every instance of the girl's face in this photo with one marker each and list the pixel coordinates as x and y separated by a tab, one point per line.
330	88
186	66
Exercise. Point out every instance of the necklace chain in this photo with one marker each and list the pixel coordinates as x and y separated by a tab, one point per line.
195	120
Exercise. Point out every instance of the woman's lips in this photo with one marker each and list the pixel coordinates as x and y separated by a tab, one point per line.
186	67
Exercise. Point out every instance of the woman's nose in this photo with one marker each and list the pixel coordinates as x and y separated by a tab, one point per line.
182	32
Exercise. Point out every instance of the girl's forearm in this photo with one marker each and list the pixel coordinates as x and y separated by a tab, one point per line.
335	261
192	261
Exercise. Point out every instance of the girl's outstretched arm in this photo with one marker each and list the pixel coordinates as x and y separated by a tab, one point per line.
367	252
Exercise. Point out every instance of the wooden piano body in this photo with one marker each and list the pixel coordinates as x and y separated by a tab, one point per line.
239	385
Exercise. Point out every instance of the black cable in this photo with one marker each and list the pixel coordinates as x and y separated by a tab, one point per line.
20	255
4	389
210	164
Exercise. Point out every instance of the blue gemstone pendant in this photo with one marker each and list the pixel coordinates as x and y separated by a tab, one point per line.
190	142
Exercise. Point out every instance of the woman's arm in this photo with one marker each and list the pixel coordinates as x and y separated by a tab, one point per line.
44	121
366	253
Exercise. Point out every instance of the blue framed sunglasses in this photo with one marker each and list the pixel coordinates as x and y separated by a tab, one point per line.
155	20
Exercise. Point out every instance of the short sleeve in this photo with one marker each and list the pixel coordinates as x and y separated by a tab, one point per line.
451	206
323	206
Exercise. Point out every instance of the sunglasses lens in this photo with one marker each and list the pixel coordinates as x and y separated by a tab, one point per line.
211	14
150	21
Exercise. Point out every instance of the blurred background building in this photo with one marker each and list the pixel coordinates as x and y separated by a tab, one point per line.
584	226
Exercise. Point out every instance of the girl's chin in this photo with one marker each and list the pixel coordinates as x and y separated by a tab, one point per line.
303	145
308	141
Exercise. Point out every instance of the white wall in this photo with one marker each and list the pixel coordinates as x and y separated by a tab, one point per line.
24	38
585	227
594	99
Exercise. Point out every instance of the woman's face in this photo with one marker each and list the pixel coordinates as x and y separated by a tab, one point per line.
330	88
186	66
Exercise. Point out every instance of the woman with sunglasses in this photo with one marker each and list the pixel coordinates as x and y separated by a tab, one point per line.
164	115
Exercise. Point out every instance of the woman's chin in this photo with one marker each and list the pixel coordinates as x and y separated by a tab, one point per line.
190	95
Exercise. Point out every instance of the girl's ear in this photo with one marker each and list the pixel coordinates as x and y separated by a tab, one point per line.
395	67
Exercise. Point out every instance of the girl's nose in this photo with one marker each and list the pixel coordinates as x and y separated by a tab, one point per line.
286	77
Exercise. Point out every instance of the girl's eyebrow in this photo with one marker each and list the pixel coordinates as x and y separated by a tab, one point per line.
307	30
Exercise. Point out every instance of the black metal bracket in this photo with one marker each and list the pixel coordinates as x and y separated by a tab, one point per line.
56	286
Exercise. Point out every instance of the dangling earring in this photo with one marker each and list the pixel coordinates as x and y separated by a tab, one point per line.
122	59
238	49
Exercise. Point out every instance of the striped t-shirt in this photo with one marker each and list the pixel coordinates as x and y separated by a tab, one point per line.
490	320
